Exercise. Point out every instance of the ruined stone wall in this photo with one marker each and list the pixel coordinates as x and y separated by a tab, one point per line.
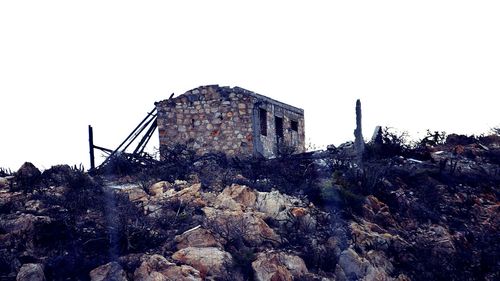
293	140
207	120
224	119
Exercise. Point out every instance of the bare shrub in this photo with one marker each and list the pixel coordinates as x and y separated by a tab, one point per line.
495	131
433	138
5	172
234	231
176	215
119	164
393	143
64	175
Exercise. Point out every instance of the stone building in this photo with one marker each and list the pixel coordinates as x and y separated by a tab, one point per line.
235	121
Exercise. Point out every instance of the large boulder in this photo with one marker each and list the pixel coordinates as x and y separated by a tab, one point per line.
273	203
4	182
136	194
372	265
31	272
197	237
380	266
248	226
239	209
236	197
159	188
271	266
368	235
23	223
209	261
108	272
28	170
440	243
284	208
377	211
189	195
158	268
351	266
34	206
28	175
299	212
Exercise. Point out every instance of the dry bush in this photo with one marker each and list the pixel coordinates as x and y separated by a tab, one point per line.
234	231
64	175
392	143
176	215
495	131
5	172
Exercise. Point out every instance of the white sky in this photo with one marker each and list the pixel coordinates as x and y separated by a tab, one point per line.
414	64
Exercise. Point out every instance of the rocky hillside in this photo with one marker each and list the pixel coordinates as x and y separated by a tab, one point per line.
422	213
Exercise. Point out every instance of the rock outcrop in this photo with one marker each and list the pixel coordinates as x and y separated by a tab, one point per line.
398	218
247	225
242	195
4	183
197	237
31	272
351	266
158	268
208	261
22	223
269	266
159	188
108	272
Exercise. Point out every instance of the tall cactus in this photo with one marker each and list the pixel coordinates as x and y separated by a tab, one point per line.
359	143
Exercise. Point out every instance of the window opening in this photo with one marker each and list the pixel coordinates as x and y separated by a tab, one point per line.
294	125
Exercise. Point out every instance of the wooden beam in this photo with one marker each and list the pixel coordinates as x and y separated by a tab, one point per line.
103	149
131	137
145	139
91	148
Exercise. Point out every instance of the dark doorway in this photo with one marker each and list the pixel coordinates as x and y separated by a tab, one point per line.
278	123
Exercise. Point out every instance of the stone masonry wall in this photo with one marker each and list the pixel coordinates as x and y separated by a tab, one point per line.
294	140
207	121
224	119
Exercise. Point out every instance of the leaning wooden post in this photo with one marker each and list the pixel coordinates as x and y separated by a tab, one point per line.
91	148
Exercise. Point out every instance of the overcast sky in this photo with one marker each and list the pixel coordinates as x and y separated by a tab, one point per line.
414	65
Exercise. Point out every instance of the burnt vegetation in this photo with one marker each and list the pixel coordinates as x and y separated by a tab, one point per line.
448	181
